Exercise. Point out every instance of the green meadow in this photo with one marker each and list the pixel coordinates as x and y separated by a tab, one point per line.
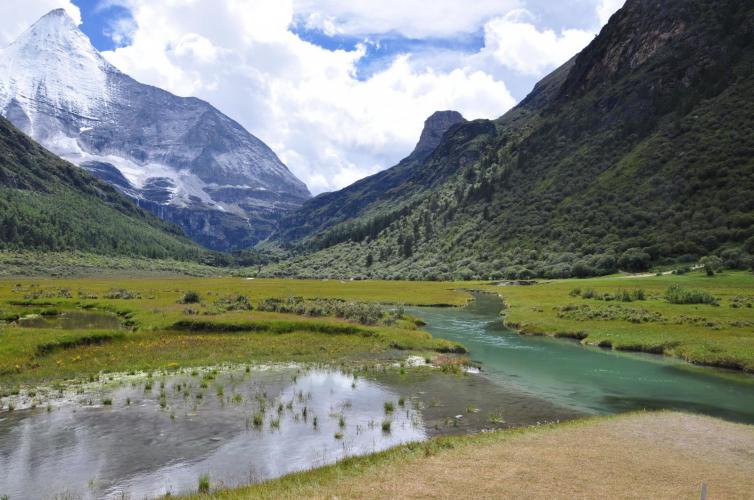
157	328
636	314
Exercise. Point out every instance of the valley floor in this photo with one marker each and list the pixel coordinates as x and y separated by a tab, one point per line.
159	332
640	455
165	323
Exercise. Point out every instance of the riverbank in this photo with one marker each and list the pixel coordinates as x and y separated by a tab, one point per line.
633	314
640	455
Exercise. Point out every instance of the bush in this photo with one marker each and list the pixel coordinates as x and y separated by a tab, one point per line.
233	303
583	270
122	294
676	294
558	271
735	258
712	264
604	264
190	297
634	259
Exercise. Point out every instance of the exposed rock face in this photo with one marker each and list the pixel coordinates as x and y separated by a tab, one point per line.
434	128
164	150
645	31
393	185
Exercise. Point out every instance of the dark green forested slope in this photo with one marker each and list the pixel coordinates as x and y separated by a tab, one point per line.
639	151
47	204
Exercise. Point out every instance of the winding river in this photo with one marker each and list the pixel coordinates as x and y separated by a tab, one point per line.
592	380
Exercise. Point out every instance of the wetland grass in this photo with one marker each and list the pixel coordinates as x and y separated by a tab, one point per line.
161	337
204	485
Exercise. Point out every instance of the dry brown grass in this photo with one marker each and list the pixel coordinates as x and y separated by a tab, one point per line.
660	455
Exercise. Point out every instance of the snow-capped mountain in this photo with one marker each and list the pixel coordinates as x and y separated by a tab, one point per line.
179	157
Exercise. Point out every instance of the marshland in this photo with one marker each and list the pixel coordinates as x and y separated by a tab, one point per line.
174	385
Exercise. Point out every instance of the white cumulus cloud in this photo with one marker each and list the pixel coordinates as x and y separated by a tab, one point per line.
521	46
414	19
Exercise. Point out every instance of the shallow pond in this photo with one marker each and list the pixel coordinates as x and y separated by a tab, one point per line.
587	379
72	320
147	437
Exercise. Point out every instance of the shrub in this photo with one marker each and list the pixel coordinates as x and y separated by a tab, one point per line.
634	259
712	264
583	270
190	297
676	294
234	303
364	313
122	294
204	483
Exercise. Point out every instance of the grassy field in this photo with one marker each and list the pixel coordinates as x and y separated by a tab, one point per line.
159	331
643	455
719	334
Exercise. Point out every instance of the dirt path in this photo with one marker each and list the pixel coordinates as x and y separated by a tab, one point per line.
664	273
665	455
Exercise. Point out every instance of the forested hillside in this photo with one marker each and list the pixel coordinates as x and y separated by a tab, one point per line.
639	151
48	204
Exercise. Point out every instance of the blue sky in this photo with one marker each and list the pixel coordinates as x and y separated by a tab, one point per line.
97	20
339	89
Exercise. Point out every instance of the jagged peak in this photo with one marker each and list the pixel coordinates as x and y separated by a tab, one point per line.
55	30
56	20
54	58
57	13
434	128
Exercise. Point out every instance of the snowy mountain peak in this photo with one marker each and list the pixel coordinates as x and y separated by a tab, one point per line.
53	64
55	31
56	13
179	156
